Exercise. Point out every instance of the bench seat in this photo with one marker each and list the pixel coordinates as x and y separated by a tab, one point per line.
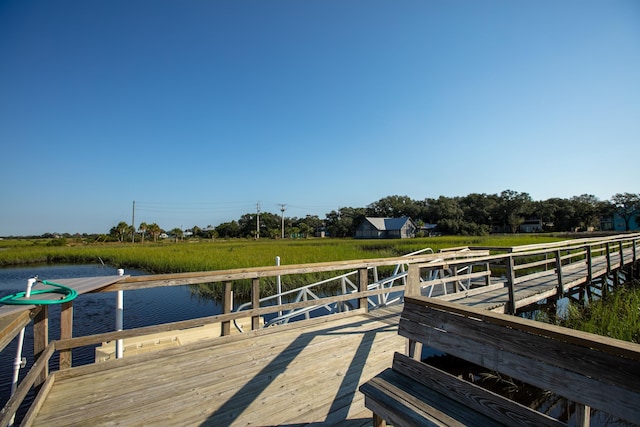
589	370
413	393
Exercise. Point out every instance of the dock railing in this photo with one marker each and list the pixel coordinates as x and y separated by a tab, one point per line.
364	293
464	270
597	261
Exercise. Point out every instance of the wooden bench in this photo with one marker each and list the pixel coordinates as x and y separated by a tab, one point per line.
589	370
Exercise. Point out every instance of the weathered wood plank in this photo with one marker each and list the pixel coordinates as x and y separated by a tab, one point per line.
11	325
515	359
237	379
471	396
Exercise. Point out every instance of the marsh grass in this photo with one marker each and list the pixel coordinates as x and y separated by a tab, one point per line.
183	256
616	315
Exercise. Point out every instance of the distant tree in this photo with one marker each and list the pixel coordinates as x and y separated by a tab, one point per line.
197	231
120	231
395	207
344	221
478	209
587	211
308	225
228	229
627	205
143	230
447	213
155	231
177	233
512	208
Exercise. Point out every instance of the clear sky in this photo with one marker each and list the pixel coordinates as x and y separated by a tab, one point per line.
199	109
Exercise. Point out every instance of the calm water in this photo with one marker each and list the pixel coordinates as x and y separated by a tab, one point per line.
95	313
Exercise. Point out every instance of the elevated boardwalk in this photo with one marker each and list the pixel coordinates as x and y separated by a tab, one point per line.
299	373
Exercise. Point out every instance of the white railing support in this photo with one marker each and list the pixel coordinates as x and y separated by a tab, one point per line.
120	318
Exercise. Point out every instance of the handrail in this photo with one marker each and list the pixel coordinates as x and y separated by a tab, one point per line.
12	405
306	291
447	267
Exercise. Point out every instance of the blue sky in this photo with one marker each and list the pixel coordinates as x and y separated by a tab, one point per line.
198	110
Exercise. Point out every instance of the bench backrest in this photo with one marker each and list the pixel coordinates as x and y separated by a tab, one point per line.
599	372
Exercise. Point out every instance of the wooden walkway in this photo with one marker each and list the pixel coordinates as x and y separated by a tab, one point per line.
537	288
309	375
303	373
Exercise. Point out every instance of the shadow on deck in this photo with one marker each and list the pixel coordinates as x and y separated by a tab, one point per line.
309	375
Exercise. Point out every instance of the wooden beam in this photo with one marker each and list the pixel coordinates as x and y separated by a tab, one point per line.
227	307
511	278
363	283
589	265
11	325
559	274
66	331
413	280
255	303
41	340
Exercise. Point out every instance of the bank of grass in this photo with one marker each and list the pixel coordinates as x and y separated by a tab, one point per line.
617	315
193	255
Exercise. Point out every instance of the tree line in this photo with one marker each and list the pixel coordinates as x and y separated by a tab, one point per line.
474	214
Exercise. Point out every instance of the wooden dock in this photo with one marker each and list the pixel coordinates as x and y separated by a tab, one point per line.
287	375
301	373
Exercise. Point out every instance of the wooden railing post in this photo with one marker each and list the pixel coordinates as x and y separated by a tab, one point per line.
487	278
608	259
413	281
511	280
363	284
589	266
66	331
227	307
621	255
635	258
255	303
583	415
454	273
40	341
560	291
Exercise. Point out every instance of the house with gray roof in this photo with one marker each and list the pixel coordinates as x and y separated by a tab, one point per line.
386	228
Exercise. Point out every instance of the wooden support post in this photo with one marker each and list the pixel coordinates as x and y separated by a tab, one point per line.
560	291
255	303
413	349
363	284
583	415
454	273
378	421
634	260
66	331
40	341
589	266
511	279
487	278
621	255
608	259
227	307
413	281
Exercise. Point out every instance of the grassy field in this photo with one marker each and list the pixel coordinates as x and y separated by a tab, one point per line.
193	255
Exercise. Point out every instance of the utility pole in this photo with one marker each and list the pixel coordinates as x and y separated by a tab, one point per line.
258	221
133	223
282	209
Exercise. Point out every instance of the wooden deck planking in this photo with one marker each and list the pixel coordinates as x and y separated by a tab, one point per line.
304	374
535	289
310	374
